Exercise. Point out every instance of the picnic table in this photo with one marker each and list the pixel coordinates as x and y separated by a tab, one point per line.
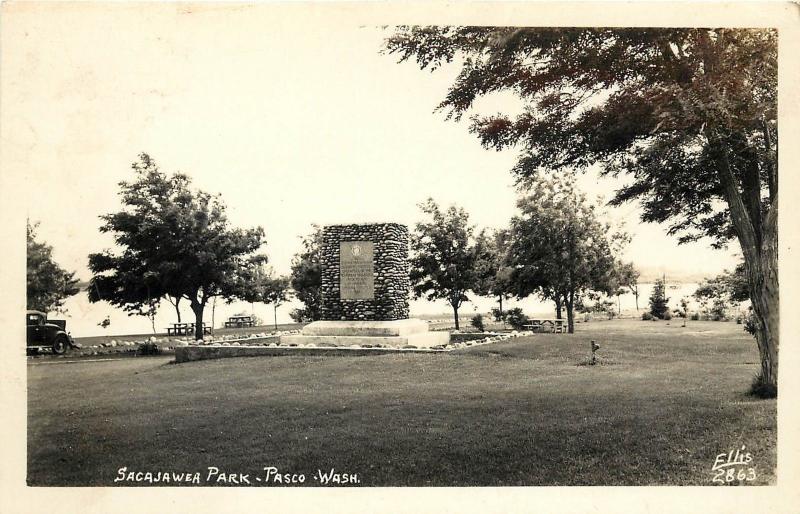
239	322
555	326
181	329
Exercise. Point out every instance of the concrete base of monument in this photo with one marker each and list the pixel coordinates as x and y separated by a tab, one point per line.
397	333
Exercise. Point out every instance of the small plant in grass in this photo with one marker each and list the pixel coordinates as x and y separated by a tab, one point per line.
646	316
477	322
516	318
498	315
683	312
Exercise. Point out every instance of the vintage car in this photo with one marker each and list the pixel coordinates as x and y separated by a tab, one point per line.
44	333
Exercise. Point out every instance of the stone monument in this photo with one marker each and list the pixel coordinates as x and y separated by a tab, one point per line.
365	288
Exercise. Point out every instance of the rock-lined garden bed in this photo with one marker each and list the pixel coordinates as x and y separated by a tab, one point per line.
168	345
163	345
272	346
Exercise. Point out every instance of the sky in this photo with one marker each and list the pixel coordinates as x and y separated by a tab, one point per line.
294	121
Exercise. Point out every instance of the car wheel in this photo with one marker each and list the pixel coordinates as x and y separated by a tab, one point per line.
60	345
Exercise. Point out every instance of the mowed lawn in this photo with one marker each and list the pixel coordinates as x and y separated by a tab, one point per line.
663	403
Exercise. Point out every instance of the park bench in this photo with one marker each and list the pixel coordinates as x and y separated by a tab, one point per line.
555	326
239	322
181	329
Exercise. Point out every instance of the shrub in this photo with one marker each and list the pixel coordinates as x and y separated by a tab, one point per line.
300	315
667	316
717	311
605	307
477	322
498	315
646	316
516	318
749	322
658	300
695	316
149	348
761	388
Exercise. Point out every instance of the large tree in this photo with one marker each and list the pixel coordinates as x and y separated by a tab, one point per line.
493	274
269	289
627	276
689	115
306	277
49	285
276	293
444	255
174	241
659	301
559	248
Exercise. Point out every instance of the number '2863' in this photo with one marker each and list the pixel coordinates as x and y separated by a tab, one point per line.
726	476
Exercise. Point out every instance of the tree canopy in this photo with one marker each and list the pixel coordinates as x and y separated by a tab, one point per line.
306	277
173	240
559	248
729	287
665	106
48	284
628	277
493	272
444	254
659	302
267	288
688	116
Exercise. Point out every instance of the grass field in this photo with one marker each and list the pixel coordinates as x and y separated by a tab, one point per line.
662	404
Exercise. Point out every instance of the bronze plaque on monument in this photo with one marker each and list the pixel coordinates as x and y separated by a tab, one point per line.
356	281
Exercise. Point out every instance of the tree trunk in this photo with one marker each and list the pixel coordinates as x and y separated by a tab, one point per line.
213	313
762	278
569	303
500	299
175	304
275	314
197	308
558	306
759	244
455	314
636	295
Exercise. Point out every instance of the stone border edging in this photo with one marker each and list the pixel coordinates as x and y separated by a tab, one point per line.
195	352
